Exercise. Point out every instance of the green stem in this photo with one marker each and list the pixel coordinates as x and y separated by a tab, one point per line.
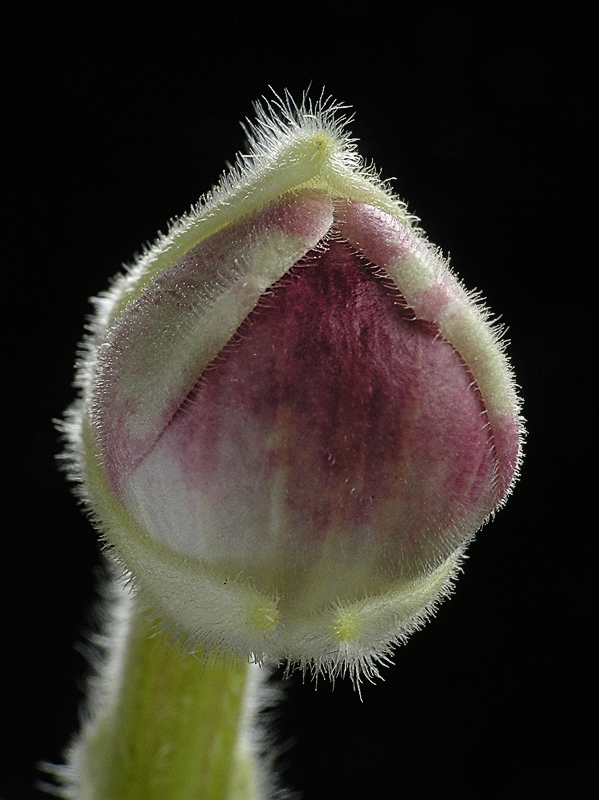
167	725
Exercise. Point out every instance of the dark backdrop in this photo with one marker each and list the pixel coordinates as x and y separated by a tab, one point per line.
121	121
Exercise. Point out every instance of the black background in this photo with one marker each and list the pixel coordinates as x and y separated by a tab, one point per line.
121	121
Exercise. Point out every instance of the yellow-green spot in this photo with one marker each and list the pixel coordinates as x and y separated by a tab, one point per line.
347	625
263	616
322	141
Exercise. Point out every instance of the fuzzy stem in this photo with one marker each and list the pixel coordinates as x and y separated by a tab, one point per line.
164	724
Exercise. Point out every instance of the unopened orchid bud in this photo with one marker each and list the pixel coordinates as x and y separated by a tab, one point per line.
293	417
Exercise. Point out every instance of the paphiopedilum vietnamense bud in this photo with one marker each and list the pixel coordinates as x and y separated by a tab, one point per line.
293	417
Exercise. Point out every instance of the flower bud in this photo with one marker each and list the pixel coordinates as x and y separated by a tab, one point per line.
293	418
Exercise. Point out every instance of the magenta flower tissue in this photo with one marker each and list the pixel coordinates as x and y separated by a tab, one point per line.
293	417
